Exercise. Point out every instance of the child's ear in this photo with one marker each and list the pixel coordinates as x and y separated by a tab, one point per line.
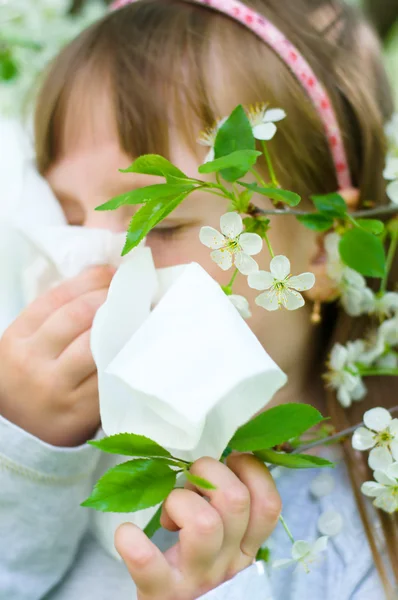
325	289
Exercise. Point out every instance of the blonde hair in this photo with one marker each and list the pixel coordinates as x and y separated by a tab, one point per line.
155	58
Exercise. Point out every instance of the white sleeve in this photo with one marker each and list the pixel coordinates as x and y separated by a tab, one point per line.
252	583
41	520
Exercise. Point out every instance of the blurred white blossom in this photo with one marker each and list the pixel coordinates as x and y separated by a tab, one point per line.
304	554
47	24
282	289
343	375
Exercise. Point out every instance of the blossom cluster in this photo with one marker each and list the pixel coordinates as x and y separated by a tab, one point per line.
391	168
232	246
32	33
380	436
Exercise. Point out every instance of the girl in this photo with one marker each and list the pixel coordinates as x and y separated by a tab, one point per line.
145	79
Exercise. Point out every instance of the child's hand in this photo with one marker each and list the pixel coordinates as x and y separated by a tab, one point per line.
217	539
48	380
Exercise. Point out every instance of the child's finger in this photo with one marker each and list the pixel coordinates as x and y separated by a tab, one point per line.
76	361
201	531
38	312
266	504
231	499
147	566
68	322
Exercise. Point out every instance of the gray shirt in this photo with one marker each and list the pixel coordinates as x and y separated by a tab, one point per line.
47	550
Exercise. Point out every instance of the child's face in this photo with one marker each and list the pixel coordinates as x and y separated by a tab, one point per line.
87	174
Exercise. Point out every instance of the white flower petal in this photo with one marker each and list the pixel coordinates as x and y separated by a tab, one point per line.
330	523
300	549
338	357
359	391
302	282
292	300
353	278
384	477
363	439
268	300
392	191
387	502
260	280
280	267
377	419
223	258
389	303
394	449
379	459
393	427
211	238
344	397
372	489
320	545
245	263
241	304
264	131
251	243
231	225
392	471
274	115
209	156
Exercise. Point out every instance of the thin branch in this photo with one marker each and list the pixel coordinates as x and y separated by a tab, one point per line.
371	212
334	437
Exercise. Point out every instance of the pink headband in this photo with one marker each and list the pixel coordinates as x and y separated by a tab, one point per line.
299	67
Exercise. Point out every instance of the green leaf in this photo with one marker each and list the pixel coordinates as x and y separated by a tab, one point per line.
154	523
264	554
316	221
371	225
154	164
147	217
275	426
363	252
285	196
292	461
131	486
130	444
8	66
145	194
235	134
331	205
199	481
233	166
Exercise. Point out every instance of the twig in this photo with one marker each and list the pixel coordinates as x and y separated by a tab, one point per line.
371	212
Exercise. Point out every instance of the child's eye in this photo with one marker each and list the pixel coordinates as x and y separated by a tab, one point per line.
166	232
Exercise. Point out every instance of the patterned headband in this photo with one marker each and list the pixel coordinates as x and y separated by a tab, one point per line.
271	35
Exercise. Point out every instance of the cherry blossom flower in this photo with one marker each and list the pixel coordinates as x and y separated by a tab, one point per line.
263	120
241	304
343	373
282	289
380	436
384	489
391	174
304	554
232	246
208	138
